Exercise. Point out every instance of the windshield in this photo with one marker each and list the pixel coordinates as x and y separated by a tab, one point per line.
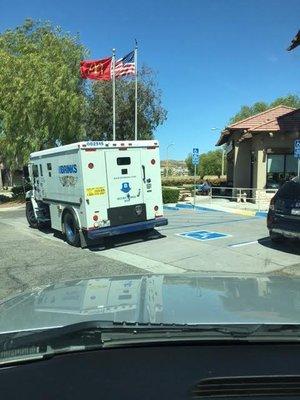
149	171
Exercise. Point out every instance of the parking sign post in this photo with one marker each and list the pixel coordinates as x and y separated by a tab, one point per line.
297	154
195	161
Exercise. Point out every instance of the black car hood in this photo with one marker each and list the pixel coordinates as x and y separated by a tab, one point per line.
182	299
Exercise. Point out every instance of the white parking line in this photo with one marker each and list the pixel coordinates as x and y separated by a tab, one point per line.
144	263
243	244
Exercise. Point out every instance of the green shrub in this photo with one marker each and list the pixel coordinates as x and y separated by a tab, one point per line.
3	198
19	190
170	195
179	181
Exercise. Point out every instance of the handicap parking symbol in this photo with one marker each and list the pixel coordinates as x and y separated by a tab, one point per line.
203	235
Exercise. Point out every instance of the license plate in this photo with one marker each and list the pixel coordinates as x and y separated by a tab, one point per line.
295	211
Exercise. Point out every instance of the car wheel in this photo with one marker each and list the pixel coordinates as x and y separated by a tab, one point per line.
276	237
71	230
31	219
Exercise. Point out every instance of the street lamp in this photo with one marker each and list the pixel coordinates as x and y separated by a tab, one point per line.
169	145
223	152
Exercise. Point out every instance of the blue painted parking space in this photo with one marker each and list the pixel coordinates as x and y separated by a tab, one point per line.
174	208
198	208
203	235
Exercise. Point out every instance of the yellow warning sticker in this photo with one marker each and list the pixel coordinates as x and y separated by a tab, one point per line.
95	191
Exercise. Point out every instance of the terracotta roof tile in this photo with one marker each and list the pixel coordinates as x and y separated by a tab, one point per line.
268	126
261	118
264	121
290	122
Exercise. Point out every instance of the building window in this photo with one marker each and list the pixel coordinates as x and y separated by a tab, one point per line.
280	168
291	166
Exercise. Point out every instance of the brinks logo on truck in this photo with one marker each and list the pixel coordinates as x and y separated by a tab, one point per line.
125	187
67	169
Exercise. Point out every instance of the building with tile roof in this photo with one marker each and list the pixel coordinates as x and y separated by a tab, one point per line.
259	149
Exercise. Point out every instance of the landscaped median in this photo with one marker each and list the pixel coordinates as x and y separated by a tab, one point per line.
13	199
12	205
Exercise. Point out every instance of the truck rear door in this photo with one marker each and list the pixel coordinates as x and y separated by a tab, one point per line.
152	181
125	186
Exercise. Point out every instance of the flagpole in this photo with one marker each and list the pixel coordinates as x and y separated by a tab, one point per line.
136	92
114	92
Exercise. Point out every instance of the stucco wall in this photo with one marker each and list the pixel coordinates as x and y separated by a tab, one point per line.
242	164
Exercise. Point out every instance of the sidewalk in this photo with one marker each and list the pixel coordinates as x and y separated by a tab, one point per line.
225	205
10	206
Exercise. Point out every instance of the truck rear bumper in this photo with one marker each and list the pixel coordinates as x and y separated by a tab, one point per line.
128	228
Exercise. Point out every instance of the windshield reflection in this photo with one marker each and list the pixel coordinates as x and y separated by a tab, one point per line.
184	299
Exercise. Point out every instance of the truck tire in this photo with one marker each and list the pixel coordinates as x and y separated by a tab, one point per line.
71	230
276	237
31	219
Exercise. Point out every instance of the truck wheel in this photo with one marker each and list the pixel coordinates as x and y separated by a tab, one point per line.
276	237
31	219
71	230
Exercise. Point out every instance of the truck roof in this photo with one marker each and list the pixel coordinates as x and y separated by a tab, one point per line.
98	144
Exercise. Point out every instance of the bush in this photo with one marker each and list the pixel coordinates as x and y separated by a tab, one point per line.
3	198
189	180
19	190
170	195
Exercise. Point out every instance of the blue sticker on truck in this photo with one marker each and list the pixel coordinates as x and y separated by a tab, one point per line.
125	187
68	169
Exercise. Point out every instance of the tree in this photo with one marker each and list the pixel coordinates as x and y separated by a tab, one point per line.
151	114
209	163
291	100
41	93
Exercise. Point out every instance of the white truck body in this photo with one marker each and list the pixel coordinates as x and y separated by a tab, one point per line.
109	187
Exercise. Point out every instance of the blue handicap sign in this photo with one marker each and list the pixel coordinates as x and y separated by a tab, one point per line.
195	156
203	235
297	148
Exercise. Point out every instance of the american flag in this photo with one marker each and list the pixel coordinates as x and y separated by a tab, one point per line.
125	66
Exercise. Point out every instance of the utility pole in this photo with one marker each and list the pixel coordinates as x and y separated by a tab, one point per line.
223	154
171	144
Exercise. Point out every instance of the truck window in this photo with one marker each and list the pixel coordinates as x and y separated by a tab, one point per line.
35	171
123	160
41	170
49	168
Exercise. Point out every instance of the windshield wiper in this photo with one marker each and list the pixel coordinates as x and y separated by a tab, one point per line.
97	334
50	335
91	332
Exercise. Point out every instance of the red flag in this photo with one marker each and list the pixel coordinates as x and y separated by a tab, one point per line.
96	69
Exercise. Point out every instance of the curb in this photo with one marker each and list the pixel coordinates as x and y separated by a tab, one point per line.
261	214
246	213
12	208
191	207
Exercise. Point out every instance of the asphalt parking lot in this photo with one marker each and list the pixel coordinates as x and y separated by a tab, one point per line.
203	240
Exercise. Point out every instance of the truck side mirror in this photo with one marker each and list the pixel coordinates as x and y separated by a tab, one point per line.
26	173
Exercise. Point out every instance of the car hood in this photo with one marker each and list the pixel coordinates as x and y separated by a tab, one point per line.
180	299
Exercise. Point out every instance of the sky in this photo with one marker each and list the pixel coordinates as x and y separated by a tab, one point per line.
210	57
